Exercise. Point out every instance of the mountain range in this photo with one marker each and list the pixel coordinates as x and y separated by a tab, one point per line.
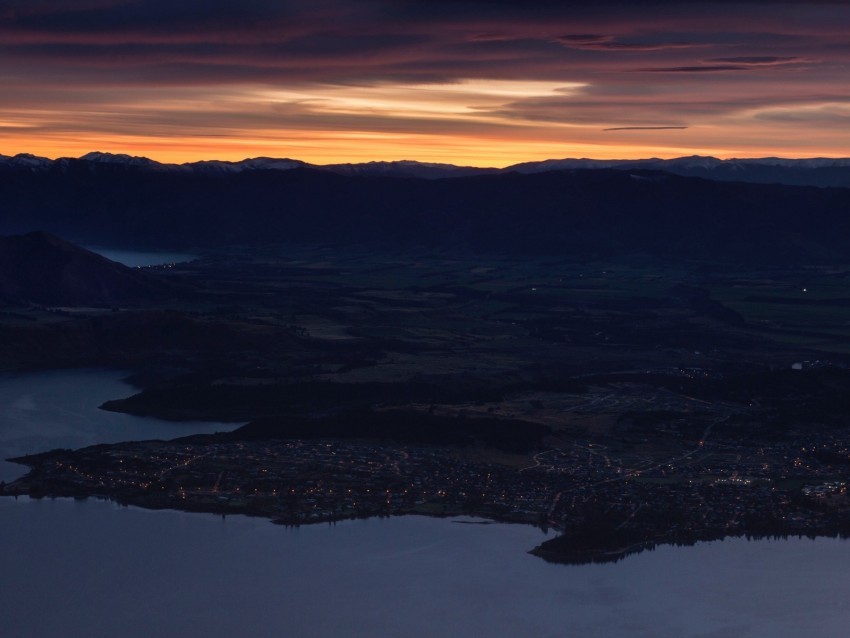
821	172
579	213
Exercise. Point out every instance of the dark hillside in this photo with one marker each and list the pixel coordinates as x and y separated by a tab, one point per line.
43	269
600	213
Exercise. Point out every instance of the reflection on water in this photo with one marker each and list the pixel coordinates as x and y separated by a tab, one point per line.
58	409
136	258
91	569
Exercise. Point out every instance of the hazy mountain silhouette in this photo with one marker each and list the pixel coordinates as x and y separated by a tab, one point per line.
819	171
575	212
767	170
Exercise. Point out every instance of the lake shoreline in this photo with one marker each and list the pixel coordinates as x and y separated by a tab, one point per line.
555	550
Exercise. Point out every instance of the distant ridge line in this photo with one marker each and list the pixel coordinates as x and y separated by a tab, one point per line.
816	171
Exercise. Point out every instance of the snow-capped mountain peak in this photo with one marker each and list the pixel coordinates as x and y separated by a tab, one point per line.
817	171
118	158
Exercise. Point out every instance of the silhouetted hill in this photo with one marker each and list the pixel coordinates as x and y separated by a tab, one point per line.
816	171
43	269
576	212
819	171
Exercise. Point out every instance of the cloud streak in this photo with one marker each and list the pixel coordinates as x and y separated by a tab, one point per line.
645	128
760	60
707	68
589	42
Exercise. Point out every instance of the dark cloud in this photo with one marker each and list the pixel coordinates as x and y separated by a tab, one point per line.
126	17
338	41
757	60
734	63
491	37
583	38
609	43
675	109
708	68
834	118
282	65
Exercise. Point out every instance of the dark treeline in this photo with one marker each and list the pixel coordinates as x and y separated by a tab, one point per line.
580	550
201	399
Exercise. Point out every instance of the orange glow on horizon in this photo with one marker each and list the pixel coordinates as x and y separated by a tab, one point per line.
336	147
461	152
494	123
492	87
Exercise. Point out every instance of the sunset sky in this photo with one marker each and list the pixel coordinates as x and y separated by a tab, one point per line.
485	83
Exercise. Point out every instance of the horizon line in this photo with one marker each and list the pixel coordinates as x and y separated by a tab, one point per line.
432	163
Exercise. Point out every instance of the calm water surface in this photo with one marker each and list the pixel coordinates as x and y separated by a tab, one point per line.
58	409
136	258
94	569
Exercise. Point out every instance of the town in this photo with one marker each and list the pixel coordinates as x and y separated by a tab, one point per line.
604	507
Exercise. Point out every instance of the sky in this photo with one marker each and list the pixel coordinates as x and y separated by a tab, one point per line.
478	82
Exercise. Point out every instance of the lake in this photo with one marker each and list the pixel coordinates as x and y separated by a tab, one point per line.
138	259
95	569
58	409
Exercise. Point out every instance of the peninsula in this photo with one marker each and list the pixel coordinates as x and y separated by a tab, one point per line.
625	401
